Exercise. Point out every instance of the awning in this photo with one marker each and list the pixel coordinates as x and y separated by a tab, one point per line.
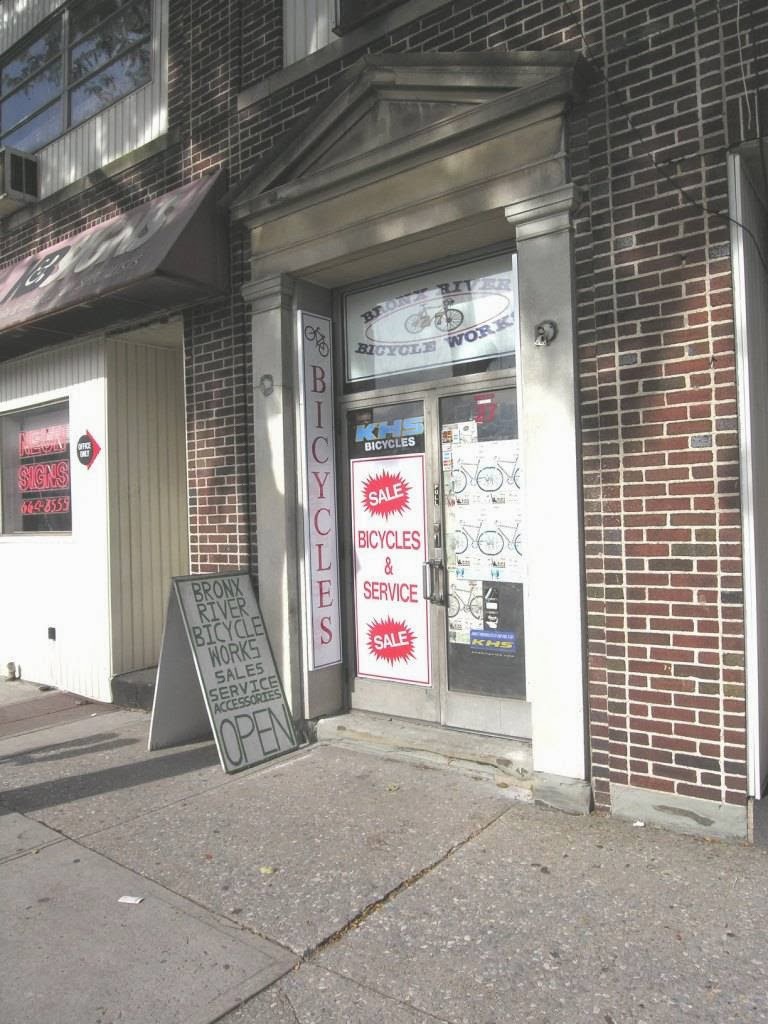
165	254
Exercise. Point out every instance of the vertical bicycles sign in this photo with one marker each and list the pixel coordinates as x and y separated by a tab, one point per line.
321	563
389	542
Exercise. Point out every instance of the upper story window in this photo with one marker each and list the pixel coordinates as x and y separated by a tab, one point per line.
91	54
351	13
310	25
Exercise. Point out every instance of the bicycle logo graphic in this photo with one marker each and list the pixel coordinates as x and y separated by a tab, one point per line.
457	602
449	318
488	541
488	476
314	334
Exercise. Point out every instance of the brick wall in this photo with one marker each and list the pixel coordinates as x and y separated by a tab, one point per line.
658	389
208	44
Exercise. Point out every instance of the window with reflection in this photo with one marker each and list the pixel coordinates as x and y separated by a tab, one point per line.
90	55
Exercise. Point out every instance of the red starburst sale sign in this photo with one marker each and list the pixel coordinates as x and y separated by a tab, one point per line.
389	537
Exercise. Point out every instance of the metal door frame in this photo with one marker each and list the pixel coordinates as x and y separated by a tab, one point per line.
434	703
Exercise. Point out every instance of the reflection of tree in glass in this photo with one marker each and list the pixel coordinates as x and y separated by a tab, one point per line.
22	67
130	27
116	80
86	16
33	95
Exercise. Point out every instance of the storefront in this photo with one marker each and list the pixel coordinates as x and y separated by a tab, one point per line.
424	270
93	514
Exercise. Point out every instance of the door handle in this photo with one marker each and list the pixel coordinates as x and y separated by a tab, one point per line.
431	577
427	581
438	595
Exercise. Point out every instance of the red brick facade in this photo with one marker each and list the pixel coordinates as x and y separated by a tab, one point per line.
674	87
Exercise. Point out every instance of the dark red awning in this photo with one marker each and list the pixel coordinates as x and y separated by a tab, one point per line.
162	255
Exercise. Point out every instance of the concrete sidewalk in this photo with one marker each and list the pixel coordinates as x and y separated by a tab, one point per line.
343	886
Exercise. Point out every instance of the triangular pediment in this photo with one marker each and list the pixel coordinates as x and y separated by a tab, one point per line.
386	120
390	107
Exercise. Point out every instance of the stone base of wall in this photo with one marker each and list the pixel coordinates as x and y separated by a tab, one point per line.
680	813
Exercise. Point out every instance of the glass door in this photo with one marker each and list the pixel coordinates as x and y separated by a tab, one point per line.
391	621
481	485
436	561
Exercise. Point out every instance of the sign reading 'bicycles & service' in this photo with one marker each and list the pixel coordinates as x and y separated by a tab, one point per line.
452	315
389	544
321	562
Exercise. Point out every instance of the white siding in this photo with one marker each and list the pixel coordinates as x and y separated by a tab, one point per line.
61	581
116	131
307	27
17	17
147	496
125	126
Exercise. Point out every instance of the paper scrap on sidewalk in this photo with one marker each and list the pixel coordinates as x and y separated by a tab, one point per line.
131	899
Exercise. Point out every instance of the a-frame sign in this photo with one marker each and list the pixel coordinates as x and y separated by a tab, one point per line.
217	673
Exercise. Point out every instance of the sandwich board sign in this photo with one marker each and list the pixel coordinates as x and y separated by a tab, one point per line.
217	673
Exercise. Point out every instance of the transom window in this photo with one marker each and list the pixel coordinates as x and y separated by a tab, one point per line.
90	55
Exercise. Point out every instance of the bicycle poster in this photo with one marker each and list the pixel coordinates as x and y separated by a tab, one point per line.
484	520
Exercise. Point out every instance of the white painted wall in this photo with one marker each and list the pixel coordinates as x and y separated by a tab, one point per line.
104	587
61	580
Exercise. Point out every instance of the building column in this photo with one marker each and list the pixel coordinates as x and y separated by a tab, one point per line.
554	607
275	475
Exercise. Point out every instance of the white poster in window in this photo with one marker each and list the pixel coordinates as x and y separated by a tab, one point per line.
484	511
321	563
451	315
389	542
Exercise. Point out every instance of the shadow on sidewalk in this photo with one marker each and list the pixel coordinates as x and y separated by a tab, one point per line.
39	795
68	748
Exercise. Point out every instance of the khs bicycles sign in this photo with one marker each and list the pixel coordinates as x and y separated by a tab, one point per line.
399	434
453	315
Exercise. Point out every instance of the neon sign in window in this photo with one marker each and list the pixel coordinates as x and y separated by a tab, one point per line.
36	470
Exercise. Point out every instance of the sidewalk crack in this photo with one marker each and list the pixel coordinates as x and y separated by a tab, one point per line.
411	1007
382	901
291	1007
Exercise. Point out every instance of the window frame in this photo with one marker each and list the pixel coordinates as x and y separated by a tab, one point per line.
12	520
68	84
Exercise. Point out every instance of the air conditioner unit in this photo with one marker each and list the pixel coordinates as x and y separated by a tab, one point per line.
18	180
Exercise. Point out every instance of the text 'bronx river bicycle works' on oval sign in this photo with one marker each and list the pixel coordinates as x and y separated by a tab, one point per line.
451	315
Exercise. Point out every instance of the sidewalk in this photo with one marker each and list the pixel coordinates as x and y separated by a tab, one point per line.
336	886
